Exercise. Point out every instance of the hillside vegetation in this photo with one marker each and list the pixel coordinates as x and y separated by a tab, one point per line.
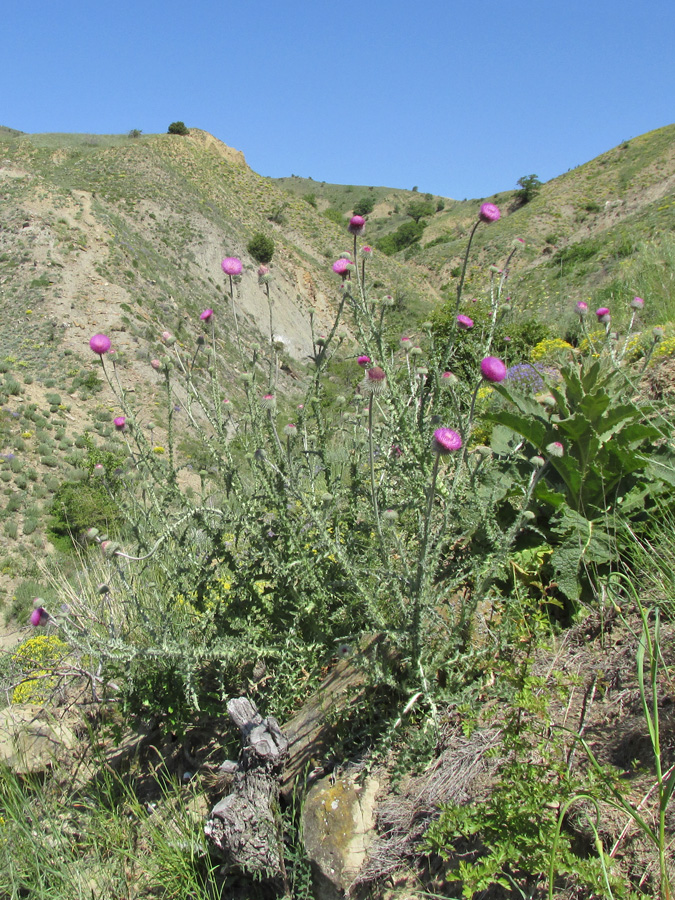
416	502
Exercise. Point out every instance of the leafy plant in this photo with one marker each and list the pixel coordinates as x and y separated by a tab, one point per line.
599	450
261	247
529	187
178	128
364	206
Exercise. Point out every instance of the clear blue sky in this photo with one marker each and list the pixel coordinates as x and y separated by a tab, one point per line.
459	98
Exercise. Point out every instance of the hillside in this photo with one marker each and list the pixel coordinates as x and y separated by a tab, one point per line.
332	591
585	231
121	235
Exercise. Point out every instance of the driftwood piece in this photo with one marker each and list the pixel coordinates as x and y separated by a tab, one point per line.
311	731
244	826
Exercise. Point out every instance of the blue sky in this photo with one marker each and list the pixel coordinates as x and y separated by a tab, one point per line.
458	98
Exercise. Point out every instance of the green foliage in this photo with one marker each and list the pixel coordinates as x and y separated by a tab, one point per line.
608	457
137	132
79	505
575	253
364	206
334	215
406	234
261	247
529	187
419	209
515	832
178	128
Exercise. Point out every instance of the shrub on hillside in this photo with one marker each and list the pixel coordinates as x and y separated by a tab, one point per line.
403	237
364	206
261	248
178	128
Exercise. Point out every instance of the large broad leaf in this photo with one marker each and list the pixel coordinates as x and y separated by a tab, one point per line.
504	440
594	405
660	468
533	430
582	540
544	493
527	405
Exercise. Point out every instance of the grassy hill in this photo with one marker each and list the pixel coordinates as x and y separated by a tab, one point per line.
122	235
597	231
482	548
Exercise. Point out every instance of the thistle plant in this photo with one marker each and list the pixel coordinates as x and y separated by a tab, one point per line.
308	528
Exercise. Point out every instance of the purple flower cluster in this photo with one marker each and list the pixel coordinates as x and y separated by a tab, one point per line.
530	378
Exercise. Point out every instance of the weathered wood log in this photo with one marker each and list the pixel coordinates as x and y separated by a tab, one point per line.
244	827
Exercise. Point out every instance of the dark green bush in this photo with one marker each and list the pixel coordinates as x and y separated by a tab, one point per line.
81	505
530	185
261	248
178	128
364	206
403	237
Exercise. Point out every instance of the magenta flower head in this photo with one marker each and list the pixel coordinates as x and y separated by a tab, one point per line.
341	266
493	369
100	343
231	265
357	225
603	314
156	364
637	303
464	322
445	441
375	381
489	213
555	448
448	379
366	251
207	315
364	361
39	616
268	401
120	423
582	308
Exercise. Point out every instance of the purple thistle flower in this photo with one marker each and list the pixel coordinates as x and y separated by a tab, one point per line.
603	314
489	213
375	380
120	423
357	225
582	308
364	361
39	616
366	251
493	369
156	364
341	266
269	401
637	303
464	322
445	440
231	265
207	315
100	343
